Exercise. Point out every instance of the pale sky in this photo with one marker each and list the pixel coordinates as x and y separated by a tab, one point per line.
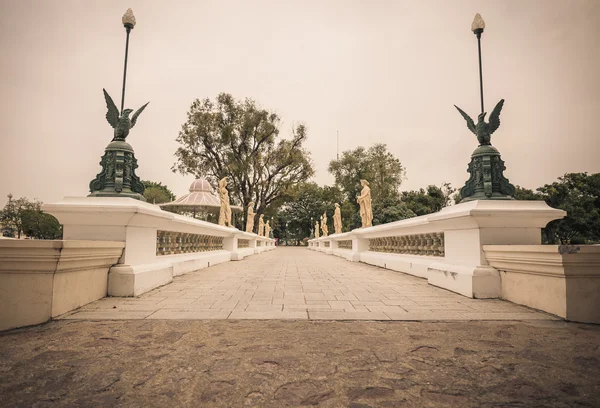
377	71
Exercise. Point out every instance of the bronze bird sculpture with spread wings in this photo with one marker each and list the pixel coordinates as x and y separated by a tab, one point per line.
484	130
122	124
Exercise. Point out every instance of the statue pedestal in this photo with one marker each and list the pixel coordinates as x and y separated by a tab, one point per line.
118	178
487	181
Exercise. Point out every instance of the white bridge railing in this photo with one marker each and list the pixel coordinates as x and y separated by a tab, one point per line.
446	248
158	244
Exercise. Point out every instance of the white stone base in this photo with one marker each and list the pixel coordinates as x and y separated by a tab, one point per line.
344	253
241	253
412	265
562	280
126	280
41	279
482	282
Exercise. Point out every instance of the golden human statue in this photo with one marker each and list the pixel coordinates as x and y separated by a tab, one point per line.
261	226
337	219
225	212
316	229
267	229
324	225
250	219
364	200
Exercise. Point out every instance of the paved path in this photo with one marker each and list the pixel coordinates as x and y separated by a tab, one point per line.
295	283
268	363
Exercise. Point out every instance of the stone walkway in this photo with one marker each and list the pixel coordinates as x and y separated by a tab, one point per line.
277	363
295	283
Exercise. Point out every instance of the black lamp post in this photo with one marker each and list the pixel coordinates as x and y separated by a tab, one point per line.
486	181
477	27
129	22
118	178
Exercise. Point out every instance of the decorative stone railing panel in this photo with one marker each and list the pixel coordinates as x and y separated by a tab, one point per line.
327	244
431	244
243	243
259	243
346	244
171	243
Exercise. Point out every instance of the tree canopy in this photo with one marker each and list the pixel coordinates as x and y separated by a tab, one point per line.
428	201
309	201
26	217
579	195
375	164
156	193
240	140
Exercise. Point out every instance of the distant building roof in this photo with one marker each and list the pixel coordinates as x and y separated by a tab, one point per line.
201	197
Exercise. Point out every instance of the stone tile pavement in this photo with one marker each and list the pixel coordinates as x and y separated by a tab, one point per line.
295	283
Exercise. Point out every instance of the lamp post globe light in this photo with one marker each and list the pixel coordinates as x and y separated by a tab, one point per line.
118	178
486	181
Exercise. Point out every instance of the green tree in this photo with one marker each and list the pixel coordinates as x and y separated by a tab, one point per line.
579	195
389	210
240	140
309	200
26	217
156	193
12	214
428	201
377	165
526	194
40	225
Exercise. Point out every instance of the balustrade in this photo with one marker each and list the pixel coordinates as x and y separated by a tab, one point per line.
347	244
243	243
327	244
170	243
431	244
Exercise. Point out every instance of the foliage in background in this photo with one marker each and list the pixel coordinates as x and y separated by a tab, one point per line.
26	217
240	140
308	200
428	201
377	165
156	193
383	171
389	210
11	215
579	195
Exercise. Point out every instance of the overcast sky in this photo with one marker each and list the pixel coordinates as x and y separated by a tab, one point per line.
377	71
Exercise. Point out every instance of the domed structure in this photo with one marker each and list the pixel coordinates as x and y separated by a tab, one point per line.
201	184
201	198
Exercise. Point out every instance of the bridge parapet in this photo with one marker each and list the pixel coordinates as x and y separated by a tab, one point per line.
446	247
158	244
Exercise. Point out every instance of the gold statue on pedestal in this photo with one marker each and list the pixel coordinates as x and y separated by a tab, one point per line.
225	212
261	226
337	219
250	217
316	229
324	225
364	200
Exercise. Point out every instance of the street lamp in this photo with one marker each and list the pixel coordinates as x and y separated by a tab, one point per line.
128	22
486	181
477	27
118	178
312	230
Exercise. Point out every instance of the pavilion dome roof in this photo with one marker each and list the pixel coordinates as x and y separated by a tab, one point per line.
202	196
201	184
